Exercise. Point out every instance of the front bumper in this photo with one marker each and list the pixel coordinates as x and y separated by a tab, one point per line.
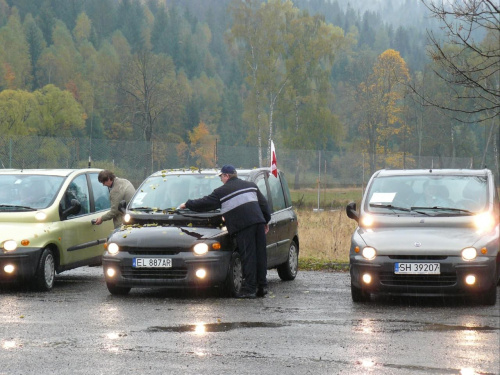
25	261
181	274
450	281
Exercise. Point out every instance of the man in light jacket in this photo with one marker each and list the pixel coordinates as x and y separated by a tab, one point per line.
119	189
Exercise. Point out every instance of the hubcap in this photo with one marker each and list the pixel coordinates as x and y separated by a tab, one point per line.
293	259
49	270
237	274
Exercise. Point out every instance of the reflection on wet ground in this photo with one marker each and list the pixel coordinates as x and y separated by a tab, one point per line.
215	327
394	325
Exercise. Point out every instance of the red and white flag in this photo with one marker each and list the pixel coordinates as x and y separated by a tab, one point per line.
274	168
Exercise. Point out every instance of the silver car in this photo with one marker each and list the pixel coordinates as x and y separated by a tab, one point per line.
427	233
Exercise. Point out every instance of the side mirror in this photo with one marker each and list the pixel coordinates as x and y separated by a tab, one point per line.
122	206
73	209
351	211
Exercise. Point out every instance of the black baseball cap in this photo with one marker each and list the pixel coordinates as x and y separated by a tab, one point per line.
228	168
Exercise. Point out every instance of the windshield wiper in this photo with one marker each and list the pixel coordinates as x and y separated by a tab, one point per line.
16	206
441	208
142	209
391	207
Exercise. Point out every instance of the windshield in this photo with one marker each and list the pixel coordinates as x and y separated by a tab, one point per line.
26	192
168	192
455	194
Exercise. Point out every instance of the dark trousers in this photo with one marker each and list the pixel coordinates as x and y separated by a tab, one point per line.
252	248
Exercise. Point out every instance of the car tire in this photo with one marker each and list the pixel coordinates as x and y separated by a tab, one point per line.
288	270
45	272
117	290
359	295
234	278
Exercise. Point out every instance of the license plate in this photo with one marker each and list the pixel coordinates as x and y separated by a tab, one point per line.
417	268
152	263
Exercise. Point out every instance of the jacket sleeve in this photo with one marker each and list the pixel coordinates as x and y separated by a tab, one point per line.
207	203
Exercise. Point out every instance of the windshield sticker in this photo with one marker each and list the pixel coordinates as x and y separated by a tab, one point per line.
139	197
382	197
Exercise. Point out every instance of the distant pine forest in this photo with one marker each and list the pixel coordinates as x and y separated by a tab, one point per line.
337	76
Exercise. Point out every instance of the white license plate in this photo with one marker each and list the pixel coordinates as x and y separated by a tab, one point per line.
417	268
152	263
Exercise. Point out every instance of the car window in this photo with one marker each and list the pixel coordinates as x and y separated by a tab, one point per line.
35	191
424	191
286	190
77	189
169	191
101	193
277	195
260	181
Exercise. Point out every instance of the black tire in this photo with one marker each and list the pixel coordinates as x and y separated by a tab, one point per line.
288	270
45	272
117	290
234	278
359	295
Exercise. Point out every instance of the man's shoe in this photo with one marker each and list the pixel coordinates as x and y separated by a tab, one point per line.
261	291
246	295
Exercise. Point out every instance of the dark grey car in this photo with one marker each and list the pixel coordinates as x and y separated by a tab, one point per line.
427	233
162	246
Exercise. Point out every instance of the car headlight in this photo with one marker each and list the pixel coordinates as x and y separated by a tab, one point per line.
126	218
469	253
369	253
10	245
484	222
200	248
113	248
40	216
367	220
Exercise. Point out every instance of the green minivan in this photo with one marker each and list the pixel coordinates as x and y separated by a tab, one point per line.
46	223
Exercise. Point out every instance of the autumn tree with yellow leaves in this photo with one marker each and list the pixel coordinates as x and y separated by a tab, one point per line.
380	104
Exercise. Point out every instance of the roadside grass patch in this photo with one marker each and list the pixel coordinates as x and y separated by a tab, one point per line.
325	239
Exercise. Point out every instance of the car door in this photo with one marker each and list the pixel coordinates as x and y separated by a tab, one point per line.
284	219
261	182
82	242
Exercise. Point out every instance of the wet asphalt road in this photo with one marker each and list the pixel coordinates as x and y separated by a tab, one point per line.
307	326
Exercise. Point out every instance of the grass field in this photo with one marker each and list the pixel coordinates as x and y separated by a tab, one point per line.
324	233
325	238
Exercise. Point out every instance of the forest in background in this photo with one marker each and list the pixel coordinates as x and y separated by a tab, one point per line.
307	74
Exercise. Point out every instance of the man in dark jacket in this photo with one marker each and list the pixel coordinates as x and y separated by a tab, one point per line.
246	214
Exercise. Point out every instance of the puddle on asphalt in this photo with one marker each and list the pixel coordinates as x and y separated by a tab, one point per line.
214	327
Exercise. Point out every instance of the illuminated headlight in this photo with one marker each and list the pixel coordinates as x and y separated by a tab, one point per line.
113	248
200	248
484	221
369	253
469	253
40	216
126	218
10	245
367	220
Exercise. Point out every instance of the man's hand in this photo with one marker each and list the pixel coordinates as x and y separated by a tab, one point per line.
266	228
98	221
182	206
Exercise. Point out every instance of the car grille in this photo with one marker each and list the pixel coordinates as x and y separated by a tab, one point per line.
444	279
151	250
174	273
418	257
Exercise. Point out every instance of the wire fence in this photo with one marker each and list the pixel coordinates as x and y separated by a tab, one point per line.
135	160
